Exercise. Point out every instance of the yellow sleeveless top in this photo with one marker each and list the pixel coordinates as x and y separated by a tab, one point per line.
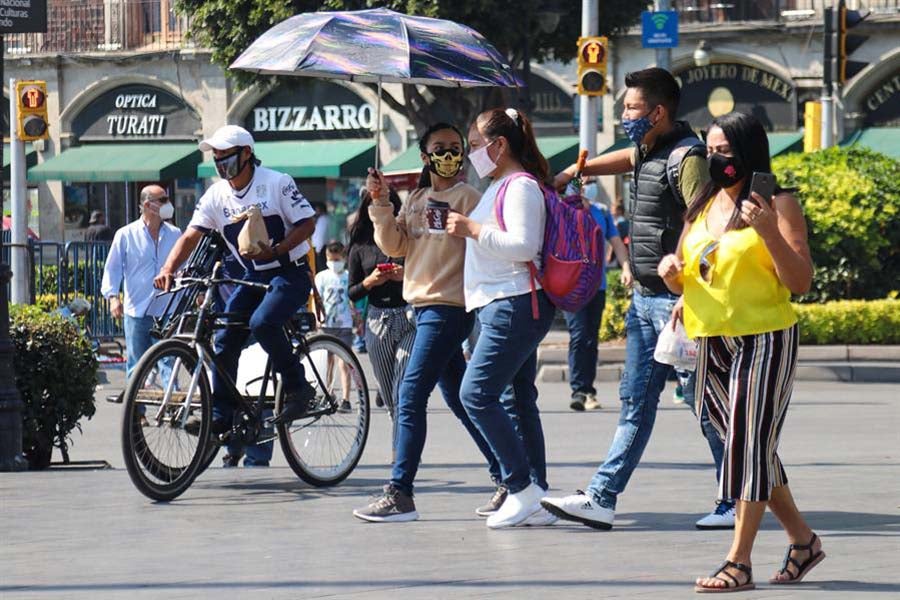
743	295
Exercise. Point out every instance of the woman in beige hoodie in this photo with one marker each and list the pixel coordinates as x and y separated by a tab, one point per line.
433	285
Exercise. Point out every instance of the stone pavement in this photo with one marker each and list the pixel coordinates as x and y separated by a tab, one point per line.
261	533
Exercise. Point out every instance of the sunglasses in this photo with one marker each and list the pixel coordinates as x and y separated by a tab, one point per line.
706	267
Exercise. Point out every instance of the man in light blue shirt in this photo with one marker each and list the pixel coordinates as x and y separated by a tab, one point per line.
138	251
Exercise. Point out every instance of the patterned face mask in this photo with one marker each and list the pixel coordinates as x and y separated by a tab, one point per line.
446	164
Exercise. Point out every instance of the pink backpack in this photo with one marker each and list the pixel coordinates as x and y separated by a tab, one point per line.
572	254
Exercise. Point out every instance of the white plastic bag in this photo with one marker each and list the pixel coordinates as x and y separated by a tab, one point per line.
253	232
673	347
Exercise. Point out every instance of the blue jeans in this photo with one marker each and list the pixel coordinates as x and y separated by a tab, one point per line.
269	311
506	354
688	380
436	359
642	382
584	329
137	340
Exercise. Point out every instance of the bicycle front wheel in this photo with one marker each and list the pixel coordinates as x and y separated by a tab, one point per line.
325	448
168	396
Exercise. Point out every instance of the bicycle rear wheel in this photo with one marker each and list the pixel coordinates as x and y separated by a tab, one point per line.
324	449
166	389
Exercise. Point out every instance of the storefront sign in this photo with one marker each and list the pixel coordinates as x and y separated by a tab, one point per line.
310	110
716	89
882	105
136	112
23	16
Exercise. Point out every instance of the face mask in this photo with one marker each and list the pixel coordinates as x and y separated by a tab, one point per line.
636	129
725	171
229	167
446	164
335	265
166	211
482	161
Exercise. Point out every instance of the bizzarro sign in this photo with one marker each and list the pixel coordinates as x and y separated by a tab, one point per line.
136	112
309	109
23	16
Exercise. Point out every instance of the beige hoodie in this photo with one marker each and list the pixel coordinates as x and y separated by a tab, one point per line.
433	270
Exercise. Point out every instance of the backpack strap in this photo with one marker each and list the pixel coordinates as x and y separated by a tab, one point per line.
498	214
687	146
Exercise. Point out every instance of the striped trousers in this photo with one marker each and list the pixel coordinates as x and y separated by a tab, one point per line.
745	384
390	333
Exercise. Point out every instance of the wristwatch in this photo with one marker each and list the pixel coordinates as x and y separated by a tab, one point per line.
283	259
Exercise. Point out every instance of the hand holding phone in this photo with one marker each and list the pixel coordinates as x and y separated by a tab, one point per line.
764	185
385	267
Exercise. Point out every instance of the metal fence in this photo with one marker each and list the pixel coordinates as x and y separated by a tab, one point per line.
104	26
68	271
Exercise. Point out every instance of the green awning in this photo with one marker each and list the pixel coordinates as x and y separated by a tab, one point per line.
782	143
408	161
311	159
30	160
120	162
559	150
619	144
880	139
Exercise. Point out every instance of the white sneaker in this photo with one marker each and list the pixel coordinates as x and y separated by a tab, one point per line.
721	518
517	508
542	518
581	509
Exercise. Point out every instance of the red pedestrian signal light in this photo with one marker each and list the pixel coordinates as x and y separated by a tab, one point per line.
592	56
32	121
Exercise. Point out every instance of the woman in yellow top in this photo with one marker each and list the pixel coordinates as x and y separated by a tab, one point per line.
738	261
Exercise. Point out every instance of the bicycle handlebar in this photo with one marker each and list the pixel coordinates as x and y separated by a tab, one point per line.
208	281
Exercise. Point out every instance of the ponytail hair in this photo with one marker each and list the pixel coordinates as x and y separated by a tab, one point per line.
425	175
516	128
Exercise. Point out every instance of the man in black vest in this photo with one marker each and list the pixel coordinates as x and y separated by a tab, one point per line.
669	168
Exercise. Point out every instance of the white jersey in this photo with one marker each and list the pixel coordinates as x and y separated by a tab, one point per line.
282	205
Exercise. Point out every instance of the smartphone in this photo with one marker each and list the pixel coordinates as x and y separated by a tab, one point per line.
764	185
385	267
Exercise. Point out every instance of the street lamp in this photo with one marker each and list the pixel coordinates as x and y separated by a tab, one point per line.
701	54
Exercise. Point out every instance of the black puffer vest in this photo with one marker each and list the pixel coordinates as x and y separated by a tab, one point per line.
657	212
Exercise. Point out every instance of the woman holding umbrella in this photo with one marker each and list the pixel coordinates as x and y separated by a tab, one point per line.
433	285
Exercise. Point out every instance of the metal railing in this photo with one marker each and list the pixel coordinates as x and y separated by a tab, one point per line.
75	26
731	11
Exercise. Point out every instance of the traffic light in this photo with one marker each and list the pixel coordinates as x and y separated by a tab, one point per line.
32	122
847	43
592	55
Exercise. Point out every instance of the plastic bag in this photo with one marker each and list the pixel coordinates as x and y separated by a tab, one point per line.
673	347
252	233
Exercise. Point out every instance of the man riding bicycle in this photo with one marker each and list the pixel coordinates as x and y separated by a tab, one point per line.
289	222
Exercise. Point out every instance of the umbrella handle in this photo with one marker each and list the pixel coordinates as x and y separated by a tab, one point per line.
378	129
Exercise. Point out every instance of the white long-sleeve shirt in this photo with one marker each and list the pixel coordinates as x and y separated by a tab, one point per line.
497	262
135	259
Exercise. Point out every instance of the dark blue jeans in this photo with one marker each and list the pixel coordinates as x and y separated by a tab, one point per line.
584	328
269	311
506	354
436	359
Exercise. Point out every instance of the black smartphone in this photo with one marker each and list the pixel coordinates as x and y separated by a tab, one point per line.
764	185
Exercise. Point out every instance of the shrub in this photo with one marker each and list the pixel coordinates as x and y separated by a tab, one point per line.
850	322
617	300
56	375
851	199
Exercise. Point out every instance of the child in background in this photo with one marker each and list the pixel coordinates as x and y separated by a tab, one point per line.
333	285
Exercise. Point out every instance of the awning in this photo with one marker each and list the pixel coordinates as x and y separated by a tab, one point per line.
880	139
619	144
782	143
409	161
120	162
30	160
311	159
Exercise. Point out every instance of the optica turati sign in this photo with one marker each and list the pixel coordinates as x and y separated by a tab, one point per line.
136	112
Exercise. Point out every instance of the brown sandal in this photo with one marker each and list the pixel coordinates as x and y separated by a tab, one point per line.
802	568
730	586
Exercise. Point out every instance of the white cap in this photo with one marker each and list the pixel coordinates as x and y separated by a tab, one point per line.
227	137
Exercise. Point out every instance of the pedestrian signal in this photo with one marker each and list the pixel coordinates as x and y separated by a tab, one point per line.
847	43
32	122
592	55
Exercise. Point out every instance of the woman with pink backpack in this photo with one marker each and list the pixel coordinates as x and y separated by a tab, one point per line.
514	312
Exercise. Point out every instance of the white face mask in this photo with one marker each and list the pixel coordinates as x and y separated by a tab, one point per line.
166	211
482	161
335	265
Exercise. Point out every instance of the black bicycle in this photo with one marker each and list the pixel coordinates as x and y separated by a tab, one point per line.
166	433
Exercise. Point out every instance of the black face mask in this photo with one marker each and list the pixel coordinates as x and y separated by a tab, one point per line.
229	167
725	171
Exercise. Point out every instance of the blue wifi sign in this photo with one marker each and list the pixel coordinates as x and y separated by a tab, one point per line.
659	29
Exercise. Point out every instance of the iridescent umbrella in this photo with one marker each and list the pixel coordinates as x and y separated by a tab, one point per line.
377	46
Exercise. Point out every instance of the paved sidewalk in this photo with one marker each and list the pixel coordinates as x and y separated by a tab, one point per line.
261	533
